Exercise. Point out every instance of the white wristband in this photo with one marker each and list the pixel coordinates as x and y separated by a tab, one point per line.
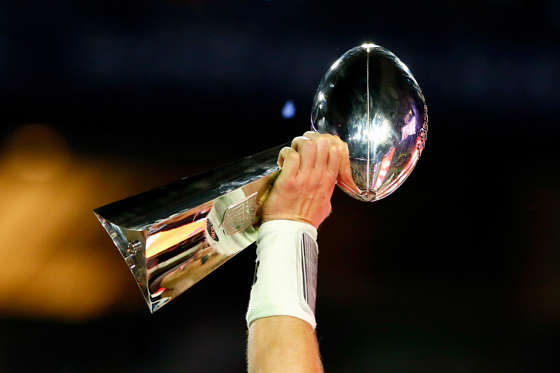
286	272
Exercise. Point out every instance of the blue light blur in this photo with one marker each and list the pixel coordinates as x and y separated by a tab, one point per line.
288	110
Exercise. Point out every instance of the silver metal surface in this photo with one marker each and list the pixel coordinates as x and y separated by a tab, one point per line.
370	99
173	236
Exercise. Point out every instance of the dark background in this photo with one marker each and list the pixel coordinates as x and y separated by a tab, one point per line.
456	271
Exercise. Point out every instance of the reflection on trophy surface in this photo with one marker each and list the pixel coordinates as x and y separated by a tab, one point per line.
173	236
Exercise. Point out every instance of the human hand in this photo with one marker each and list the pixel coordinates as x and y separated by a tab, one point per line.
303	190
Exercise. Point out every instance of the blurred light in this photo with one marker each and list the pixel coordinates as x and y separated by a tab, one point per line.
56	261
163	240
335	64
369	46
288	110
380	132
384	169
410	128
35	153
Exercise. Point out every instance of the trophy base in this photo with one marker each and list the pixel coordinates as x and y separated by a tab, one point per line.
198	225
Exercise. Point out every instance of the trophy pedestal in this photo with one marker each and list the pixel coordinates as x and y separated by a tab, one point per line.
173	236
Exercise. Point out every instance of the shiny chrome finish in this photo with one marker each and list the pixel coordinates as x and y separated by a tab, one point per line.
370	99
173	236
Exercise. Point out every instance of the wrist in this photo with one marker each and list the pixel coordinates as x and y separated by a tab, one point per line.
286	226
286	271
289	217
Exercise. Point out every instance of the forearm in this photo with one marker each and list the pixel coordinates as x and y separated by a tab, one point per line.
281	312
280	315
282	344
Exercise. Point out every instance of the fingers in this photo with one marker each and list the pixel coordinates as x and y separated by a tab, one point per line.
330	151
324	154
344	159
308	152
345	179
335	157
304	187
288	161
322	142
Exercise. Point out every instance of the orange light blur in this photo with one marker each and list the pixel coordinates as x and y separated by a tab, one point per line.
385	164
163	240
56	259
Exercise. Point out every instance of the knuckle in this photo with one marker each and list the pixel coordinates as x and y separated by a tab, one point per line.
322	142
299	141
332	140
283	152
310	145
292	155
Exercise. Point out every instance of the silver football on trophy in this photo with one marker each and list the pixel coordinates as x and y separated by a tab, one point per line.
370	99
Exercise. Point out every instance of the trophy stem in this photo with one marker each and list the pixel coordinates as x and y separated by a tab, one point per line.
173	236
